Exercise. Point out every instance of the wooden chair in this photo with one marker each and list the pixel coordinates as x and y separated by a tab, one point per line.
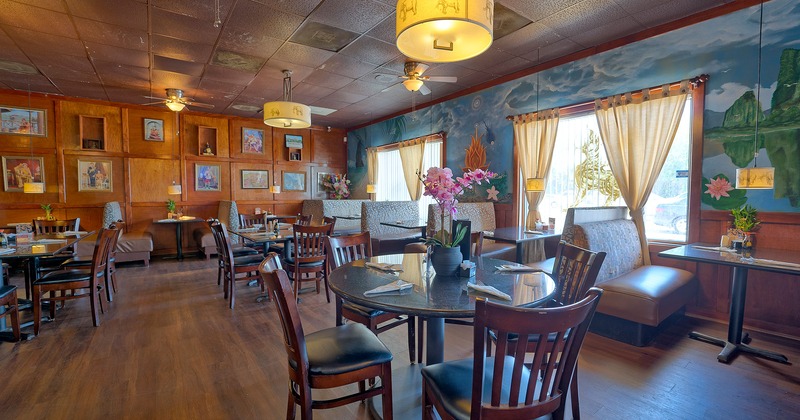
53	227
304	219
329	221
110	276
237	252
504	387
329	358
347	248
8	300
308	257
251	220
242	268
69	282
575	272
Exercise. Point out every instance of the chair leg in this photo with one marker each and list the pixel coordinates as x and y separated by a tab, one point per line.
420	337
412	340
107	279
573	390
37	310
291	407
95	297
386	395
53	303
233	289
427	409
327	289
13	312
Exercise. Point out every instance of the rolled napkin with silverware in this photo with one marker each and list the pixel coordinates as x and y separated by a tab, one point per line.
517	268
489	290
395	286
384	266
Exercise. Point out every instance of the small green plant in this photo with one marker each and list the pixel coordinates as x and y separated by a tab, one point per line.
744	218
171	206
47	208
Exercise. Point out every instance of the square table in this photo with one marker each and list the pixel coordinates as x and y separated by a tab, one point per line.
178	223
765	259
518	235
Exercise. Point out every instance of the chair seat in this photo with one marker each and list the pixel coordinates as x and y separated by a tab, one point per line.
362	310
79	262
344	349
451	383
7	290
248	260
290	261
64	276
238	252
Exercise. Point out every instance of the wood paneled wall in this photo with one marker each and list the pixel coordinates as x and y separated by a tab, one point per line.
142	170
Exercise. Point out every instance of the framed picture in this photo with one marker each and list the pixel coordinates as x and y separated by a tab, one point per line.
153	130
294	181
293	141
95	175
320	188
17	170
255	179
29	122
252	141
206	177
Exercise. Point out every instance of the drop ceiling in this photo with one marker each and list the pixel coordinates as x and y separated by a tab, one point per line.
341	52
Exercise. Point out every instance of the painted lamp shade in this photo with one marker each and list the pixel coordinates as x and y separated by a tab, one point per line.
755	178
285	114
534	184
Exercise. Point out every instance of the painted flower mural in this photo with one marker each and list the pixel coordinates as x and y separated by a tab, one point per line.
719	188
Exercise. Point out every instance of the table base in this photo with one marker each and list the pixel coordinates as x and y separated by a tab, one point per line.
729	350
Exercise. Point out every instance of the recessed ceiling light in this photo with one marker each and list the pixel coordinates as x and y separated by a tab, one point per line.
318	110
243	107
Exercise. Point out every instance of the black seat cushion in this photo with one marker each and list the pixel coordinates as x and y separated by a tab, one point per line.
344	349
290	261
248	260
451	383
238	252
6	290
65	276
362	310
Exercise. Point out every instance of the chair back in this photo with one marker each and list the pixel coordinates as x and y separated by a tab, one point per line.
476	243
304	219
221	239
105	238
329	221
516	392
250	220
309	243
293	337
47	227
575	271
347	248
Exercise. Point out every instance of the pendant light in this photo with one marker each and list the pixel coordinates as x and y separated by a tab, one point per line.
756	178
285	113
444	32
536	184
32	187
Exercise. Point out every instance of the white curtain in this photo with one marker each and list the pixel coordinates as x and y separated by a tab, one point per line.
412	153
637	133
372	165
535	137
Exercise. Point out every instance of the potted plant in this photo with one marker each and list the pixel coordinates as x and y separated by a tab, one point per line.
745	223
171	208
48	212
440	185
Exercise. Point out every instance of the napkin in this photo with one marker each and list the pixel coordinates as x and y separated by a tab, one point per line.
7	251
762	261
518	269
384	266
489	290
394	286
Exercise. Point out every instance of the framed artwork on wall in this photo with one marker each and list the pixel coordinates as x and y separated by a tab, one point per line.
17	170
252	141
294	181
319	187
95	175
294	141
23	121
153	130
255	179
206	177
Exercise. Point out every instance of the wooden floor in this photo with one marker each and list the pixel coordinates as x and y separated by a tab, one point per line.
169	348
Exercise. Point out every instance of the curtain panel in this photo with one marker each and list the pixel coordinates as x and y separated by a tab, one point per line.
412	153
535	138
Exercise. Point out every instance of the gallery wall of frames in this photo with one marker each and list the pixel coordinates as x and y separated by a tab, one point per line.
88	153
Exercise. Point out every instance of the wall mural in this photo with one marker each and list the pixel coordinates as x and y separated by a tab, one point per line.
726	48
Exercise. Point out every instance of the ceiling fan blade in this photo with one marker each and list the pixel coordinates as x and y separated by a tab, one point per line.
392	87
420	68
155	97
198	104
424	90
445	79
154	103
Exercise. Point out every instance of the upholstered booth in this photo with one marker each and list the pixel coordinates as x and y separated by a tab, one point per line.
334	208
387	239
131	246
228	215
638	300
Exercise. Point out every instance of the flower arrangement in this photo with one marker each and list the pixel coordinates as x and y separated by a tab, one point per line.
440	185
337	186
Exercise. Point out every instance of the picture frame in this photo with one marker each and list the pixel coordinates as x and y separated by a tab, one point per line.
17	170
95	175
23	121
153	129
206	177
294	141
294	181
254	179
320	188
252	141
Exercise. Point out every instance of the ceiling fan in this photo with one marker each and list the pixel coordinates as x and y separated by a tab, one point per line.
175	101
414	80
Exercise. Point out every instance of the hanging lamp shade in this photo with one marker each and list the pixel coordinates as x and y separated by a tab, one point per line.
175	105
174	189
412	84
755	178
444	31
33	188
285	113
534	184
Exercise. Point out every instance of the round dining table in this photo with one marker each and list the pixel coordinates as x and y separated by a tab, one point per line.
435	297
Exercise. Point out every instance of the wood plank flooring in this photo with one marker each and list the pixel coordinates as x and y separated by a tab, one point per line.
170	348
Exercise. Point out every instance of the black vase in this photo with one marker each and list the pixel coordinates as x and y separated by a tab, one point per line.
446	260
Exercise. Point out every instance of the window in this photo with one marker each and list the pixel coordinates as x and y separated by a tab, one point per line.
391	182
579	154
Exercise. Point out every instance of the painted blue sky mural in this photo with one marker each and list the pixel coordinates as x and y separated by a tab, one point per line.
726	48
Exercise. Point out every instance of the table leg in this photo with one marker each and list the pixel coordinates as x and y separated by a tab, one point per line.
736	341
179	240
520	253
434	341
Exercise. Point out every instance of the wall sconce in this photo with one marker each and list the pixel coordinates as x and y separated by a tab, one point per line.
534	184
33	188
371	189
174	189
275	189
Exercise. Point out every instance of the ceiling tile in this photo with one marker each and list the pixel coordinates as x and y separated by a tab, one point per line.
553	51
302	55
385	30
181	50
118	55
236	61
177	66
607	32
274	71
354	15
673	10
254	20
537	10
298	7
55	5
309	93
250	44
327	79
183	27
201	10
371	50
584	16
346	66
81	90
230	90
166	79
527	39
360	87
22	67
349	98
225	74
507	21
126	13
38	43
322	36
69	73
25	16
103	33
119	75
489	62
129	95
329	103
